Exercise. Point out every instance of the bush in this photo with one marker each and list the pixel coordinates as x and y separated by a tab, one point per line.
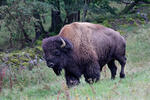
26	58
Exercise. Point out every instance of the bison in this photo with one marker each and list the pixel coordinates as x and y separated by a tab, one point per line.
83	48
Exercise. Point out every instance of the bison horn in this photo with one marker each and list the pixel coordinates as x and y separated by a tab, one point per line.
64	43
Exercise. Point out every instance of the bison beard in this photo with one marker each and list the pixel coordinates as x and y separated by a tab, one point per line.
83	49
57	71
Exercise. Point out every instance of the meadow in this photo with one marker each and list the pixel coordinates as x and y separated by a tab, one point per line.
42	84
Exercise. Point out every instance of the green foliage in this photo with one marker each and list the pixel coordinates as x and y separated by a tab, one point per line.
103	7
121	32
38	42
18	18
25	58
106	23
52	34
73	5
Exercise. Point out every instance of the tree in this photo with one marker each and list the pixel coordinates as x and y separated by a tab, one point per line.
2	2
56	21
72	10
72	13
130	4
128	8
22	19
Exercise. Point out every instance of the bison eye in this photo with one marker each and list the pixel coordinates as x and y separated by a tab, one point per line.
57	53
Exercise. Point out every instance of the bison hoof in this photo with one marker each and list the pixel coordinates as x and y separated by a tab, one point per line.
112	78
72	83
122	75
91	81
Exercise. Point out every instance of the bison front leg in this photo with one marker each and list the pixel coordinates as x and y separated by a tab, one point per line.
71	80
92	73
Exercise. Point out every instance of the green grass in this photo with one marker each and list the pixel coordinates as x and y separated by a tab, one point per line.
42	84
134	87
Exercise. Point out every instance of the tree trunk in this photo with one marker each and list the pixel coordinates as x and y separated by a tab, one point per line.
72	17
39	31
84	11
26	37
38	27
78	18
10	37
3	2
56	21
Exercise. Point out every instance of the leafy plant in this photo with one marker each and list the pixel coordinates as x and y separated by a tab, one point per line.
19	19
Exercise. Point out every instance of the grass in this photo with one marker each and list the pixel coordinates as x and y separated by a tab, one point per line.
42	84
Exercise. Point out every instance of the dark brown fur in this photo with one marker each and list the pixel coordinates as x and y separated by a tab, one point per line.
89	47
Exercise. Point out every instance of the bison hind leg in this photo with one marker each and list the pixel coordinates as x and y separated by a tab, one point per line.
122	61
113	68
92	73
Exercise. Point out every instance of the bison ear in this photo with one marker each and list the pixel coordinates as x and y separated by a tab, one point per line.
65	44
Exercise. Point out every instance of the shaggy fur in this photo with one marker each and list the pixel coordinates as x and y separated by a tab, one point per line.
88	48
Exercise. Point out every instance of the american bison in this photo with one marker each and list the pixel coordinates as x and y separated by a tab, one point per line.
83	48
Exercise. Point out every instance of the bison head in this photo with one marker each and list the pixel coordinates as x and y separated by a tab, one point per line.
56	52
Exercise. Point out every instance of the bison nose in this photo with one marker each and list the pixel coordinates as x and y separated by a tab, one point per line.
51	65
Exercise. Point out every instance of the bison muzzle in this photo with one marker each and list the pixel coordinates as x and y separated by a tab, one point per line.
83	48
